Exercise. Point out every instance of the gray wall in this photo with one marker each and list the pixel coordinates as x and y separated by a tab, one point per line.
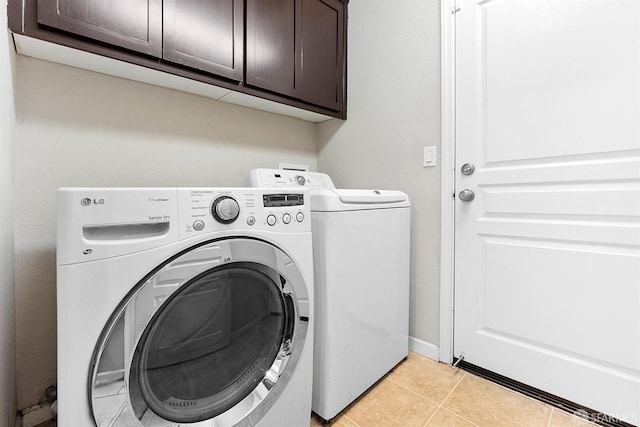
393	112
7	290
79	128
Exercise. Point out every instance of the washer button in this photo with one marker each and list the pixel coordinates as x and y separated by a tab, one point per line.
286	218
198	225
301	180
271	219
251	220
299	217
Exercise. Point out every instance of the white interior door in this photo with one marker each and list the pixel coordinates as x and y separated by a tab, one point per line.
547	264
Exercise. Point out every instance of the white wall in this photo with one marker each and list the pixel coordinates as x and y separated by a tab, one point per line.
393	112
78	128
7	313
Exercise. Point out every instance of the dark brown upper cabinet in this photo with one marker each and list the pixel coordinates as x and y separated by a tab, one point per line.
271	45
297	48
320	68
291	52
132	24
205	34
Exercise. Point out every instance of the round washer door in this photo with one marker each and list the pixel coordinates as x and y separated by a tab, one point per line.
214	333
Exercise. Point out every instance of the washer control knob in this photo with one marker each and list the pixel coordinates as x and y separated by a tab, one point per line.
286	218
301	180
299	217
225	209
271	220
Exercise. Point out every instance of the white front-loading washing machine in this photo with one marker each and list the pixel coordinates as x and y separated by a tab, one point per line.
361	254
184	306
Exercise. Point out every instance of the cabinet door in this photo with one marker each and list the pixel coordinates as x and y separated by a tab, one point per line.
320	71
296	48
205	34
131	24
271	48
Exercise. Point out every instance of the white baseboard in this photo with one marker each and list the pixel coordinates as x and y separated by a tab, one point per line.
424	348
34	415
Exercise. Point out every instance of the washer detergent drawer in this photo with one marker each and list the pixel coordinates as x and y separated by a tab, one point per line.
98	223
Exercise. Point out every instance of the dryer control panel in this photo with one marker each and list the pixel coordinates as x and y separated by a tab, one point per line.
205	210
279	178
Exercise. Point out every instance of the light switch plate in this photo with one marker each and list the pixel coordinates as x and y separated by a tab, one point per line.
430	156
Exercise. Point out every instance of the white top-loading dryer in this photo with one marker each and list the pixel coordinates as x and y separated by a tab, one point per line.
361	272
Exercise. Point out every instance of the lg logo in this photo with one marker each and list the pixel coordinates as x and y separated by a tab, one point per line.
88	201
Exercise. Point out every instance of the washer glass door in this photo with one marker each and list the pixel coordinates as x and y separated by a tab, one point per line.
207	336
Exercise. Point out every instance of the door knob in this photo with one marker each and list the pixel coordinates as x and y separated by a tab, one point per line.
467	169
466	195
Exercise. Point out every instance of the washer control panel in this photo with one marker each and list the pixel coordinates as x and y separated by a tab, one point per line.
205	210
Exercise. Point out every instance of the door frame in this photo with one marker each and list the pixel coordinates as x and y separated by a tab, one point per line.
448	9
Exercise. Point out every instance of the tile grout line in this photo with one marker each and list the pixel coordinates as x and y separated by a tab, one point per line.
516	392
525	396
438	405
421	397
350	420
550	417
441	406
459	416
431	417
464	374
413	392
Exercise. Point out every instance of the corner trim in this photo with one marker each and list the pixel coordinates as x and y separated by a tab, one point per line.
447	211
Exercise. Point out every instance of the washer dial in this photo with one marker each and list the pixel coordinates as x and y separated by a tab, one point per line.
225	209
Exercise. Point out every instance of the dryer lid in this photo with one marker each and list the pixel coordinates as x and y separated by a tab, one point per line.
371	196
348	200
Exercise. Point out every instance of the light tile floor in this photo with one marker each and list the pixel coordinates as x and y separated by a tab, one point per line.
422	392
